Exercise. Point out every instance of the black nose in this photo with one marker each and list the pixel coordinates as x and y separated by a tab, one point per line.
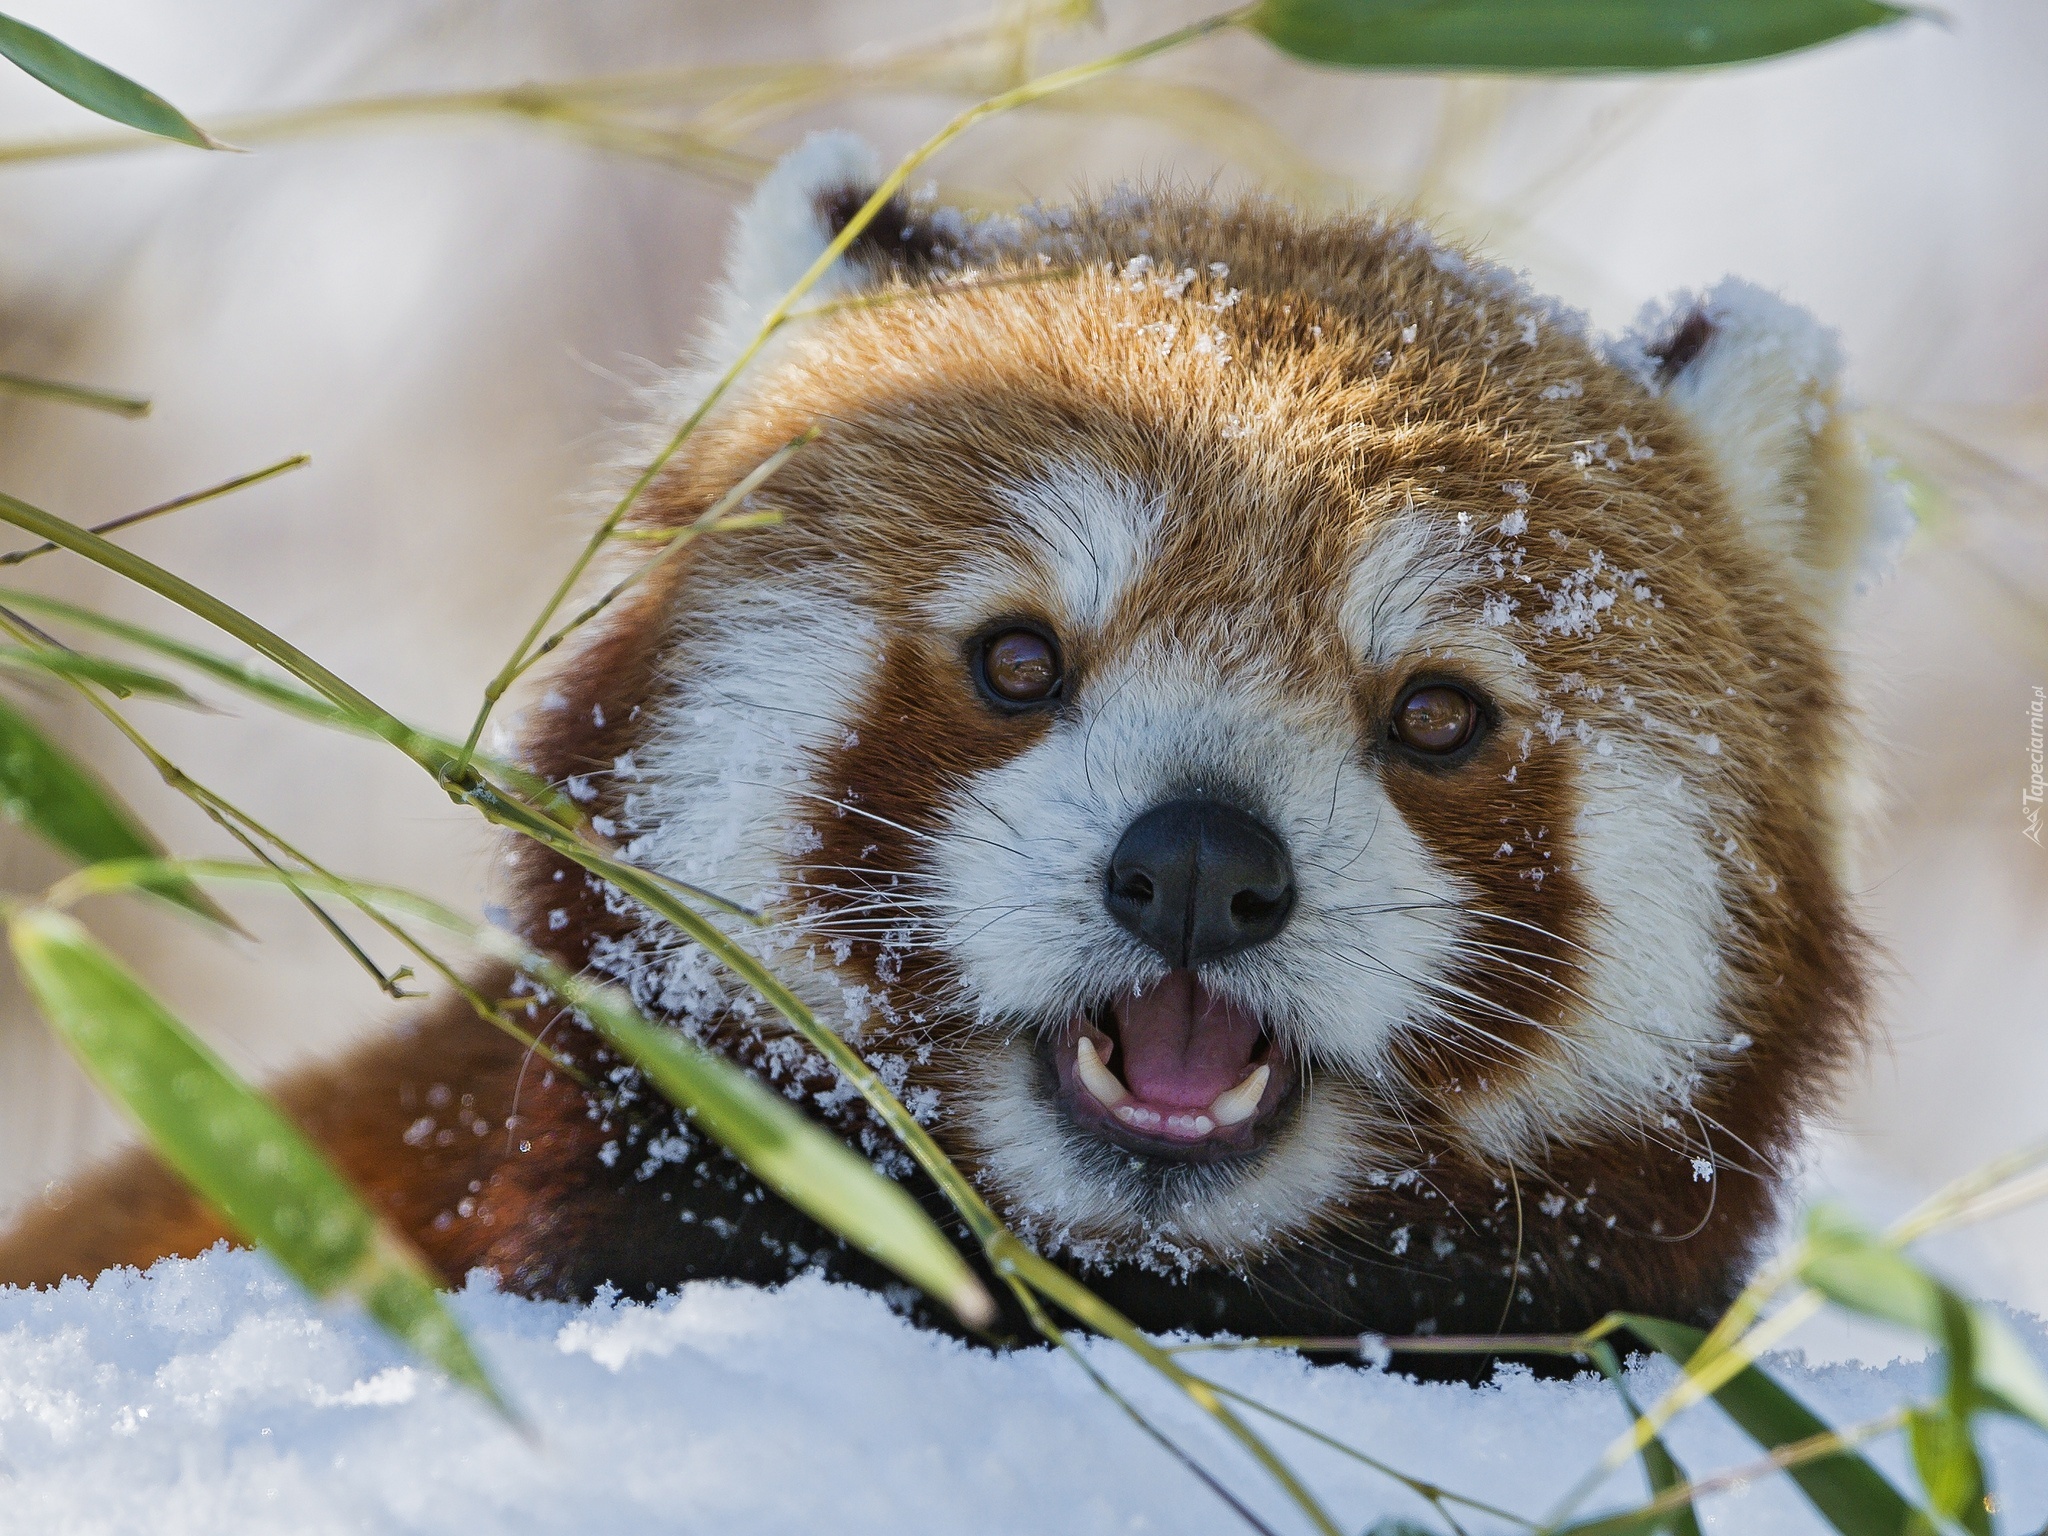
1198	880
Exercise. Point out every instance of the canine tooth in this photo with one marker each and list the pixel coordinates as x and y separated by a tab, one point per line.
1095	1077
1236	1105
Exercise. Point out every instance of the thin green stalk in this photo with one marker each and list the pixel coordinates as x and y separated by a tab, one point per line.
223	815
175	504
1955	1202
578	105
367	896
1785	1457
1202	1474
111	401
1702	1376
891	184
247	831
1414	1485
715	517
363	713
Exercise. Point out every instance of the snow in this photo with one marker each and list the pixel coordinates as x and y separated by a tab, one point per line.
208	1396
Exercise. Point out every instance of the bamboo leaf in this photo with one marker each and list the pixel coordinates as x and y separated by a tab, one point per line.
74	394
1856	1269
95	87
175	504
1946	1459
1843	1486
274	691
53	795
1556	35
1659	1465
804	1163
116	675
1942	1439
232	1145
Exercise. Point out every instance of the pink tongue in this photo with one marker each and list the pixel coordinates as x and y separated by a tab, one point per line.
1180	1046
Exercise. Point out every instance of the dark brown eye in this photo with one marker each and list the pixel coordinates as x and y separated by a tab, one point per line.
1435	718
1020	666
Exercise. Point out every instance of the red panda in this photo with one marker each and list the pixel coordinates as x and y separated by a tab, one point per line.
1317	777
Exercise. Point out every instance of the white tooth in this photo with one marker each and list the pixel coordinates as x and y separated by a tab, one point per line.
1095	1077
1236	1105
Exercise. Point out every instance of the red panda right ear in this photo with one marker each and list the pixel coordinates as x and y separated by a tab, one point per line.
784	228
799	208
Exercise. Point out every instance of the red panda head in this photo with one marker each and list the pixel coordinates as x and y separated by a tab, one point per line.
1241	717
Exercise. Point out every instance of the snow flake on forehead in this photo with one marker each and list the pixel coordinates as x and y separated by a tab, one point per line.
1076	538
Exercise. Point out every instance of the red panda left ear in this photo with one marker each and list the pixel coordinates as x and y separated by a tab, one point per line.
1759	382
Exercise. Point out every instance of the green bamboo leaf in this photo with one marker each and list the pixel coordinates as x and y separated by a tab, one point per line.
1556	35
1856	1269
1946	1458
232	1145
1843	1486
74	394
1942	1438
94	86
53	795
1659	1465
119	676
804	1163
276	692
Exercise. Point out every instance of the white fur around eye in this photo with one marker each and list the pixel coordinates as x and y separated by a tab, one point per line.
1074	540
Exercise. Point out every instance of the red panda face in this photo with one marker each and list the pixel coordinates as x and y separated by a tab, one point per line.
1247	717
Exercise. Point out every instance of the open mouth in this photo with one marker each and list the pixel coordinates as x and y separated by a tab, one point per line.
1173	1071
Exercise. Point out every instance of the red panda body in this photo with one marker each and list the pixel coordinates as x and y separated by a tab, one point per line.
1318	780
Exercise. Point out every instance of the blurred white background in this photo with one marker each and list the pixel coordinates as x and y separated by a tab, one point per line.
450	314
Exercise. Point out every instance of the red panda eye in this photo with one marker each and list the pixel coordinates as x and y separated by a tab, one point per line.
1435	718
1020	666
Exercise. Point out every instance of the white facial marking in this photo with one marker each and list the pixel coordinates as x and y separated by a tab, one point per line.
1647	1021
725	798
1076	540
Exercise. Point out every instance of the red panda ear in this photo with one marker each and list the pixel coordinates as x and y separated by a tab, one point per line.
1759	382
782	230
798	209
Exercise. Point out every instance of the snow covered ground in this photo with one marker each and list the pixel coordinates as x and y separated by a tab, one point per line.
208	1397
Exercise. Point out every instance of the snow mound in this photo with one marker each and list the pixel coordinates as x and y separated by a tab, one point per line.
209	1397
